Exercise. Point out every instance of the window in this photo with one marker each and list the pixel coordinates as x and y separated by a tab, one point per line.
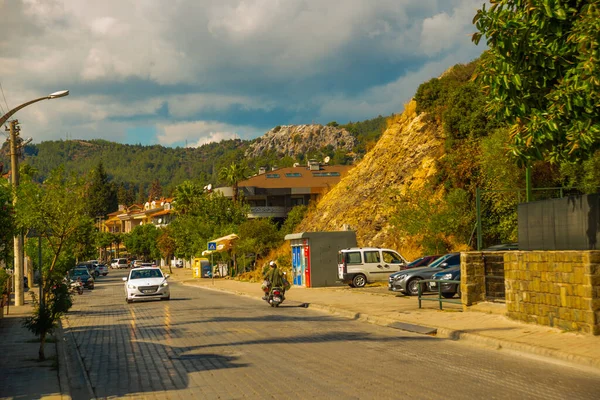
371	256
272	176
353	257
293	175
325	174
392	258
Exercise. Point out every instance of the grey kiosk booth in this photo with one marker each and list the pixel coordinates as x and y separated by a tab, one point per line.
314	256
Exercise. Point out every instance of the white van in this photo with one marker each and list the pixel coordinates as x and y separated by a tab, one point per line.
358	266
122	263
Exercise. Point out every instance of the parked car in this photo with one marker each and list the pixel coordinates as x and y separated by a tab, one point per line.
448	289
502	247
146	283
101	269
122	263
84	275
113	263
358	266
407	281
421	262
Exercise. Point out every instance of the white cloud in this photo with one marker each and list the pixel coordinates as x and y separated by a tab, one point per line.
446	30
197	133
239	64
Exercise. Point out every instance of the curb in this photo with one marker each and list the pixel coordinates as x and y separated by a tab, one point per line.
63	380
74	374
443	333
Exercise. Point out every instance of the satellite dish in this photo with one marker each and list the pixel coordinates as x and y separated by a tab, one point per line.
327	159
296	164
209	187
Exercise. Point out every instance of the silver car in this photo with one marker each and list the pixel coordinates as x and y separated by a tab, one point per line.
407	281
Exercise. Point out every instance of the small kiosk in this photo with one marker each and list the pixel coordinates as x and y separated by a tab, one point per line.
314	256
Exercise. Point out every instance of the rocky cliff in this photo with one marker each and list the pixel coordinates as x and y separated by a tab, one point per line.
291	140
364	200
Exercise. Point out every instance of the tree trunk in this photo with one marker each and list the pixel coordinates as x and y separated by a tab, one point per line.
41	354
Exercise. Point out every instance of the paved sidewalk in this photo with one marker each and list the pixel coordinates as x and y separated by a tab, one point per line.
485	324
22	376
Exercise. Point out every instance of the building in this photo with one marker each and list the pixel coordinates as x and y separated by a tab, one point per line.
274	193
156	212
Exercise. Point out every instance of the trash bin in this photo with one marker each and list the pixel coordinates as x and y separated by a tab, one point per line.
206	270
198	267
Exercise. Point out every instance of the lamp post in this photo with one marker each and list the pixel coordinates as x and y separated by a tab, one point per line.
14	165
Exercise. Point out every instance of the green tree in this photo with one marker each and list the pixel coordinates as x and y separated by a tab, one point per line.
103	241
257	237
101	197
55	210
202	216
185	196
7	222
142	241
294	217
542	71
232	175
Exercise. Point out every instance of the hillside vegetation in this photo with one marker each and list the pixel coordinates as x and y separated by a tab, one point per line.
416	189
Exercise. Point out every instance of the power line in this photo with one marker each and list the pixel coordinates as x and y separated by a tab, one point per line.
2	89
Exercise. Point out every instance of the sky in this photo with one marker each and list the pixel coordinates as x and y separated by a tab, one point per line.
189	72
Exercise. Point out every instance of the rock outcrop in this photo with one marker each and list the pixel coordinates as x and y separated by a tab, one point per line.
291	140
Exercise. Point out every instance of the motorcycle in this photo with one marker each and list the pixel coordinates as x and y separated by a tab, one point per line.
76	285
276	296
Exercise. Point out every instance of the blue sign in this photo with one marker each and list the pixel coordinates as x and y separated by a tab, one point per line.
212	245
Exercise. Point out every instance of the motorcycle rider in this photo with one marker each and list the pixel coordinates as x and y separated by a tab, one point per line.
275	277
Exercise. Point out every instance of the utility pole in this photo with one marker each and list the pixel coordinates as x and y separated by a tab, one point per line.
18	240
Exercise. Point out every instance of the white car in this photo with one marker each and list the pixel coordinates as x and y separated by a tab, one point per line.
146	283
101	269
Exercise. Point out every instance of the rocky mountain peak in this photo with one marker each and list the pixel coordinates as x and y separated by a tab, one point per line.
291	140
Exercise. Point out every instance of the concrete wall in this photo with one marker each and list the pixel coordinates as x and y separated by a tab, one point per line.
554	288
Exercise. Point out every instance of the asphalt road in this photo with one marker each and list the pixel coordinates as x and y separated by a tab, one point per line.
211	345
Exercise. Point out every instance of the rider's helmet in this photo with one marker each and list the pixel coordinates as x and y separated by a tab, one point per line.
272	264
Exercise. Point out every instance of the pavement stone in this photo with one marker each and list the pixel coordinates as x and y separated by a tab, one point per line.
484	324
22	376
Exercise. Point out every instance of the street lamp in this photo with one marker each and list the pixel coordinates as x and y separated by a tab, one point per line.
55	95
14	165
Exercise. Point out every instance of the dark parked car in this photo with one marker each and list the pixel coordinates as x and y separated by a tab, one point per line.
84	275
503	247
448	289
420	262
407	281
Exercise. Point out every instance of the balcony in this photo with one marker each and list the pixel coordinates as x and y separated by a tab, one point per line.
268	212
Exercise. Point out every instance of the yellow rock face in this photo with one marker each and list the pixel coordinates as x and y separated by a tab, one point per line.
364	200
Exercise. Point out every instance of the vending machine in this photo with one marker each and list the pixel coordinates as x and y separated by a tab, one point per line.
301	262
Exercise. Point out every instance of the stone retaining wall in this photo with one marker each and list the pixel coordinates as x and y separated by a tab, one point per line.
474	284
554	288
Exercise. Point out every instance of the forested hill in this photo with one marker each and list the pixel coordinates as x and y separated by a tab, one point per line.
136	167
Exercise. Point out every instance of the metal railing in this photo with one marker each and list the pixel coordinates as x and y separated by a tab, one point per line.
439	298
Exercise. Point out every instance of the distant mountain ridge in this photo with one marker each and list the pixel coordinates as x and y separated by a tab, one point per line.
137	166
